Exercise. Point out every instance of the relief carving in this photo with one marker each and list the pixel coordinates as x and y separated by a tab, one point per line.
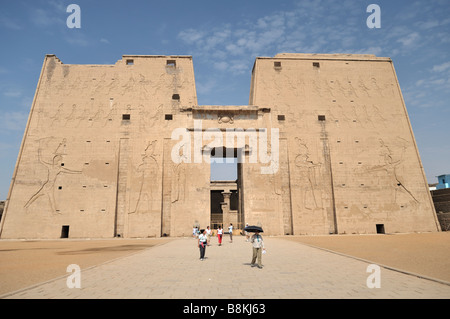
225	118
179	177
393	157
391	169
148	187
54	169
306	171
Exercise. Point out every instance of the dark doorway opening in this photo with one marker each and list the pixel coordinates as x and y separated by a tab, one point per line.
216	209
65	231
380	228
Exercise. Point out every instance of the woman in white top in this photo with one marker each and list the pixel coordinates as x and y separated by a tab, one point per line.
202	242
208	235
219	235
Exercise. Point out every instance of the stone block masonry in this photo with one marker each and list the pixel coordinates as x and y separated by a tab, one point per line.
324	146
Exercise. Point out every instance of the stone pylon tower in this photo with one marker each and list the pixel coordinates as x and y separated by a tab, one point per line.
324	146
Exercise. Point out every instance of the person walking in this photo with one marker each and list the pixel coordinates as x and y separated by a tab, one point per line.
202	242
230	231
219	235
258	248
208	235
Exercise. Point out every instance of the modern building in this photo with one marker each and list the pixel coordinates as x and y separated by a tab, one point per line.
444	181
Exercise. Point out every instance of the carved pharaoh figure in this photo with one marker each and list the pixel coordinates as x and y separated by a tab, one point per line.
148	172
306	170
54	169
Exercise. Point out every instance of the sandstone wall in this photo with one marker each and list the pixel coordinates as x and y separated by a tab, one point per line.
324	146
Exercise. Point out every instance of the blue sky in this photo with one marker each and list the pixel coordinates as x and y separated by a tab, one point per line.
224	37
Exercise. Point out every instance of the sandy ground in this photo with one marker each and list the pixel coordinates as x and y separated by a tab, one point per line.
426	254
24	263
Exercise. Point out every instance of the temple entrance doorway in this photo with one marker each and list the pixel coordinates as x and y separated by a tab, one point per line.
225	192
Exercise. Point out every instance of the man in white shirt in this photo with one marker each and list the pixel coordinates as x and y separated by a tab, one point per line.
230	230
258	247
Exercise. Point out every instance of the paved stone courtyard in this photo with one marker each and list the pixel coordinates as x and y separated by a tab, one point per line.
291	271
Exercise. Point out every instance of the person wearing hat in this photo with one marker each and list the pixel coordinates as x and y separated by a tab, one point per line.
258	247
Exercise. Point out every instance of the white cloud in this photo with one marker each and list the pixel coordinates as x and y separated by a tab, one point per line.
234	49
409	39
313	26
103	40
26	102
77	39
12	93
240	67
222	66
13	121
205	87
57	5
441	67
45	17
10	23
307	27
191	36
438	82
276	20
372	50
428	24
216	39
